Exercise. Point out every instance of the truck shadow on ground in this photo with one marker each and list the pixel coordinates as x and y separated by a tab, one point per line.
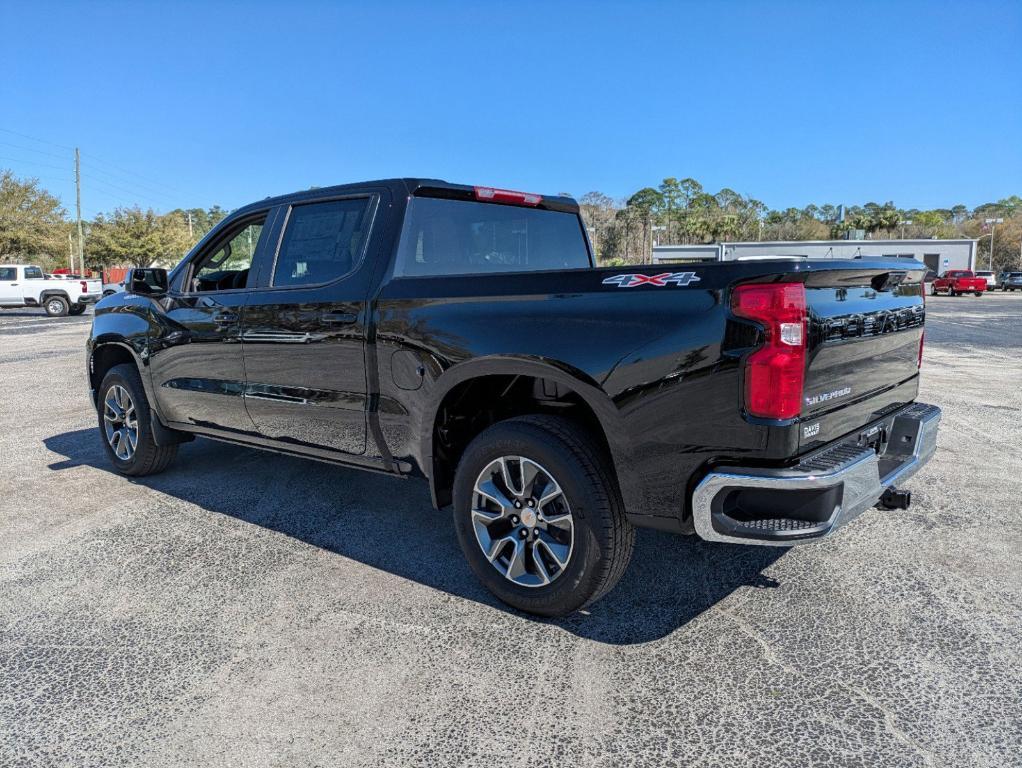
389	524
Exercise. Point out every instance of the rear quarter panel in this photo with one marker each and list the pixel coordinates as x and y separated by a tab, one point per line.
650	361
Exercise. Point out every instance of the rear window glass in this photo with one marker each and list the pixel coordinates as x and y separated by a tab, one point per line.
322	241
455	237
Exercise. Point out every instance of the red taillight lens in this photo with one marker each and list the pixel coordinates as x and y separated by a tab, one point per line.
85	286
775	373
492	195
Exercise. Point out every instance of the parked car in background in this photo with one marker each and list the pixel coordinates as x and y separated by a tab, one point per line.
990	277
109	289
25	285
1012	281
464	335
955	282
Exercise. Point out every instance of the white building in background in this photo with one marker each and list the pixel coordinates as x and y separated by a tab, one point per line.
938	255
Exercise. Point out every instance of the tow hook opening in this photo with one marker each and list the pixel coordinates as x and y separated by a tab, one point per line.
895	498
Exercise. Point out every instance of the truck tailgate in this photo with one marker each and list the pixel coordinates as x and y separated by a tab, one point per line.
864	335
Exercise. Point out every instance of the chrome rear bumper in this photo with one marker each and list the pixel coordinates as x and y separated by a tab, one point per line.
825	490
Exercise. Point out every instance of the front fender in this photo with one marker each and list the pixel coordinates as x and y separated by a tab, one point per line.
124	321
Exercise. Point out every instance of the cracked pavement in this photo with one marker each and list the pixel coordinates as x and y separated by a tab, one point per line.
248	609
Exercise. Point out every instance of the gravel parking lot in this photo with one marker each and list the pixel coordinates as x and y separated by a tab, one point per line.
249	609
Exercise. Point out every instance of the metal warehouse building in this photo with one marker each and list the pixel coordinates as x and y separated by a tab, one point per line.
938	255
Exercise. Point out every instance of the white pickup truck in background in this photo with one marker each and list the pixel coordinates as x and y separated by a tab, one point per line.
25	285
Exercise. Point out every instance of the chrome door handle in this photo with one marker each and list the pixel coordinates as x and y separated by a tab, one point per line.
225	318
338	318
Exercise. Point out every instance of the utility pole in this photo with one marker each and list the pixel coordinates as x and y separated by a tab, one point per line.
70	252
191	235
78	211
993	225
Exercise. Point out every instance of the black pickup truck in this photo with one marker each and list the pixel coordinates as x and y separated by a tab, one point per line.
462	334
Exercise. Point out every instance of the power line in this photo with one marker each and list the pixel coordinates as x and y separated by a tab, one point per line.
32	149
33	162
33	138
121	180
117	173
103	183
53	178
132	173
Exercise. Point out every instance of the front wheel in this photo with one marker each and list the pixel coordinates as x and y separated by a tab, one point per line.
539	516
56	306
76	309
125	427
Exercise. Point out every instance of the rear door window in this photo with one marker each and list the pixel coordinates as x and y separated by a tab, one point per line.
33	273
322	241
456	237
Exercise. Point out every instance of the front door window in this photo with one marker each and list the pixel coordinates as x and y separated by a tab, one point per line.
227	267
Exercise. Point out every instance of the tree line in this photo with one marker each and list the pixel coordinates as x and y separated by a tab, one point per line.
34	226
682	212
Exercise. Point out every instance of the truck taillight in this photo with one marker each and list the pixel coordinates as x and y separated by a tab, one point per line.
85	286
492	195
774	373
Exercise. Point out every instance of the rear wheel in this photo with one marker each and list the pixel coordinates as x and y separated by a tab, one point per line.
539	517
56	306
951	292
76	309
979	293
125	427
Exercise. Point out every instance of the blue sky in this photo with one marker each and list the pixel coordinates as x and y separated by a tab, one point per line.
191	104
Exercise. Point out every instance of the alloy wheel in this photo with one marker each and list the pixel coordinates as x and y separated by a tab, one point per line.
522	521
121	422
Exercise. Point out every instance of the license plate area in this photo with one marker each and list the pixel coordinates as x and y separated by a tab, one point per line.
874	437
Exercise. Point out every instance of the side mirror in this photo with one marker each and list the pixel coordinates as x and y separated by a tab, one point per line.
147	281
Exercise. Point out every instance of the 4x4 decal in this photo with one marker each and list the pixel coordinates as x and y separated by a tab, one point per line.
661	280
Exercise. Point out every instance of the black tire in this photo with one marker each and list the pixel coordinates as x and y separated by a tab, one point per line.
148	458
951	292
603	538
56	306
76	309
979	293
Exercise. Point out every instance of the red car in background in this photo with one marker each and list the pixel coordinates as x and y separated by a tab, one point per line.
958	281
